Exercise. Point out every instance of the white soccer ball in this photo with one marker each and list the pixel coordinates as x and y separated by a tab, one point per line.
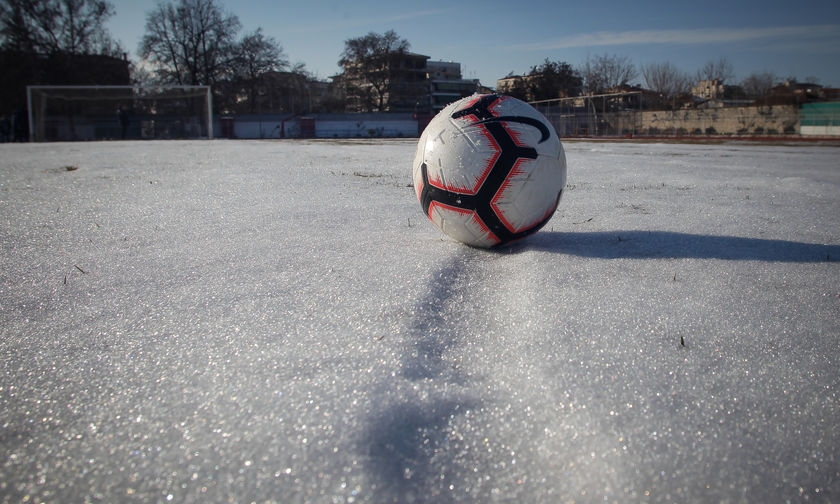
489	170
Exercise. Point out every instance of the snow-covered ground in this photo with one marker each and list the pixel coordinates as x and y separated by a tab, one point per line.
277	321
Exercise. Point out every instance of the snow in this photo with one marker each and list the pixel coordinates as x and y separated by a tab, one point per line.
277	321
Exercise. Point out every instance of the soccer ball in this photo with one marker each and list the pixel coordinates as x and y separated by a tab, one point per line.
489	170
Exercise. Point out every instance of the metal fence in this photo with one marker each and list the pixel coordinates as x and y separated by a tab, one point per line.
627	114
600	115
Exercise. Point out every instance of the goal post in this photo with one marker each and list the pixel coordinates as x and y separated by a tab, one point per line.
605	114
67	113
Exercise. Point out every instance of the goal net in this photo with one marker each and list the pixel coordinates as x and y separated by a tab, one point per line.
67	113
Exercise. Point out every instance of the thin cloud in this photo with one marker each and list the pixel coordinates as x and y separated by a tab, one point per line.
685	37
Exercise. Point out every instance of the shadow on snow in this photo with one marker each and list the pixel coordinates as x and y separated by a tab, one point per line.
434	329
411	450
630	244
408	443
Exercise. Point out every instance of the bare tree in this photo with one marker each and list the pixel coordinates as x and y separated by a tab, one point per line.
367	63
290	91
57	26
603	73
720	70
190	42
254	56
666	79
257	54
758	85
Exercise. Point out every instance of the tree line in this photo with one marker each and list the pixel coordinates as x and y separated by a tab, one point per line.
197	42
186	42
608	73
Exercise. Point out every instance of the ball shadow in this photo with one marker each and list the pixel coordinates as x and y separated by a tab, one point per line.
635	244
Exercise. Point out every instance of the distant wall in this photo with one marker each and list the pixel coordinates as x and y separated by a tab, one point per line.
365	125
820	130
268	127
325	126
764	120
821	119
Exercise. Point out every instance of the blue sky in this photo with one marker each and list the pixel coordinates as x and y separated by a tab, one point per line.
493	38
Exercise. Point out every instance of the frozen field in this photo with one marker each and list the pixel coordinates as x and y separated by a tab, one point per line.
277	321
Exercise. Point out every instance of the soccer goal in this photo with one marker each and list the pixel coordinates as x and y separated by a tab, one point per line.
67	113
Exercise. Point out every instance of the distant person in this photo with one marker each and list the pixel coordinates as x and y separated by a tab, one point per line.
123	117
5	129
